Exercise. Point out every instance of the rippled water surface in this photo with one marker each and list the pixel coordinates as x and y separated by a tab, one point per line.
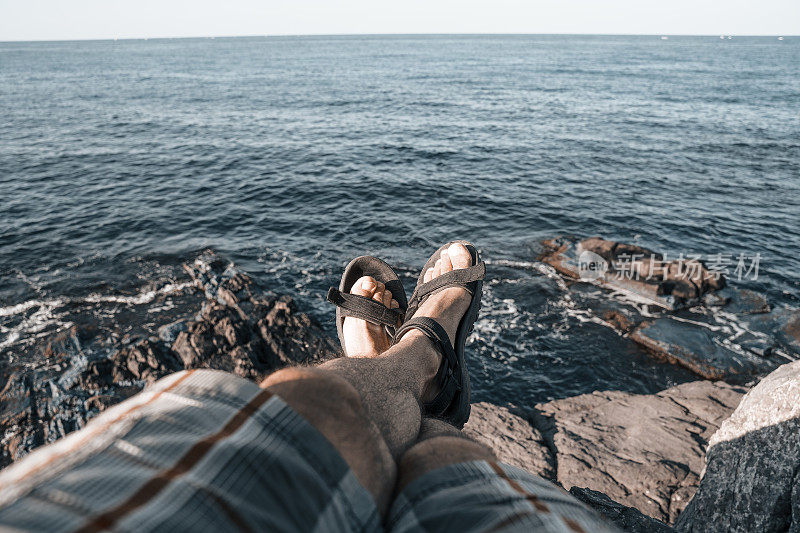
120	159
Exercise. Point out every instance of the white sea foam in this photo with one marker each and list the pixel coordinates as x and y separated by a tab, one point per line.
45	316
138	299
538	266
49	314
24	306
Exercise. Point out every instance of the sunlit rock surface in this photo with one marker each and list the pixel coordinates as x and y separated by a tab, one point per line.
644	451
752	473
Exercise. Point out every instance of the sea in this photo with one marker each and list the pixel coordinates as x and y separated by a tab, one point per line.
122	159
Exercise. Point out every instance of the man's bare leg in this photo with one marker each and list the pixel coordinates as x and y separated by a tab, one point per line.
370	408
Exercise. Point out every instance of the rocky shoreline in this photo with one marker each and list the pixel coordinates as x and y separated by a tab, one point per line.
641	451
679	310
231	324
639	459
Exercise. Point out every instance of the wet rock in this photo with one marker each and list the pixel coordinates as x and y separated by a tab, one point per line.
670	284
234	325
715	299
511	437
36	410
624	517
743	301
784	324
644	451
145	361
792	327
619	320
751	480
169	332
695	347
679	311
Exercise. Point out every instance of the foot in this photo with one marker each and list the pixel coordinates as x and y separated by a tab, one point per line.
361	338
447	307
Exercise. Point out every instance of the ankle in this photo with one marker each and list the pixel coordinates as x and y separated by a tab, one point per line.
419	346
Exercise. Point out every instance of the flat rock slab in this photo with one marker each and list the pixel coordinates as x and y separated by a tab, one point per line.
515	441
512	438
644	451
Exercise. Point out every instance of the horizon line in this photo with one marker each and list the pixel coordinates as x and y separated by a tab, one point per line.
399	34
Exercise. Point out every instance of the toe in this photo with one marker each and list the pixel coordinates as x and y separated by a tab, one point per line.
364	286
437	268
459	256
394	305
428	275
387	298
378	295
447	265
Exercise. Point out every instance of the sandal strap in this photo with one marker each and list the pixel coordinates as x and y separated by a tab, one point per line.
446	376
365	308
462	277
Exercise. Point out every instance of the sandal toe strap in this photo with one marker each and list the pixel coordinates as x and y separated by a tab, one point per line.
356	306
462	277
446	377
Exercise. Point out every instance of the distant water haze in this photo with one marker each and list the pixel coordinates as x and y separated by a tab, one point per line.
290	156
100	19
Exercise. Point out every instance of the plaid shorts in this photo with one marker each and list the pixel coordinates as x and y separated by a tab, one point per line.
204	450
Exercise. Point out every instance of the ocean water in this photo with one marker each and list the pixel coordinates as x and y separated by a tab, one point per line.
121	159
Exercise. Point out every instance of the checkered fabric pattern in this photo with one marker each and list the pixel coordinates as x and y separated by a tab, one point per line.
205	450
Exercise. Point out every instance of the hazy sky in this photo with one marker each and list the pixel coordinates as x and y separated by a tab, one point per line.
93	19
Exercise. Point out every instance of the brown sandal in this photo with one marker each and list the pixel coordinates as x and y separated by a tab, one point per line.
452	402
364	308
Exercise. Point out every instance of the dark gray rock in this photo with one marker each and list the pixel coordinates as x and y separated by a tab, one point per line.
644	451
511	437
227	322
696	347
752	473
743	301
625	518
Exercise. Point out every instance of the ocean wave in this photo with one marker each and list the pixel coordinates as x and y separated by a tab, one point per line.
52	314
144	297
45	317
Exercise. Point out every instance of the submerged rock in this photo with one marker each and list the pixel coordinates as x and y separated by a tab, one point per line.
752	472
693	346
233	325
